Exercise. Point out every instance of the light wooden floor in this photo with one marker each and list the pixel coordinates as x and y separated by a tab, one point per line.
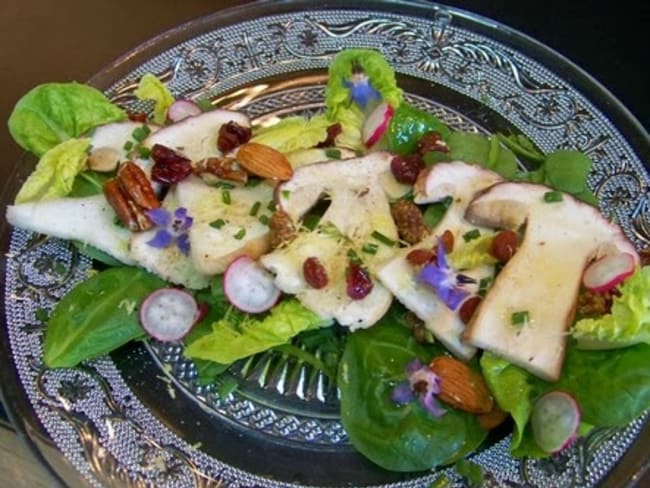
18	466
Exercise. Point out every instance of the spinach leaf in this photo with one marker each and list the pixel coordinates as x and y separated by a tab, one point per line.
612	388
477	149
89	183
407	127
398	438
55	112
97	316
96	254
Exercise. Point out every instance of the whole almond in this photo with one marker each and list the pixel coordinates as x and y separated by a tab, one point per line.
264	161
461	386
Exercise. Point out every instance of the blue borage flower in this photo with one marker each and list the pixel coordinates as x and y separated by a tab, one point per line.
445	282
422	382
172	228
361	91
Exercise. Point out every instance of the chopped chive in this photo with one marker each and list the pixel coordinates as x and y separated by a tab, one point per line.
225	197
370	248
483	285
255	209
382	238
128	145
271	206
141	133
354	257
264	219
217	224
204	104
333	153
224	185
144	152
471	235
240	234
310	221
519	318
286	194
553	196
253	182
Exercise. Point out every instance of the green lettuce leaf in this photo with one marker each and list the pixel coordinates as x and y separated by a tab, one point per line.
629	321
55	173
397	437
351	120
97	316
379	72
55	112
151	88
407	127
473	254
293	133
229	342
611	387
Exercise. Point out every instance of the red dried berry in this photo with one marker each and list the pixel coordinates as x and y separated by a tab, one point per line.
232	135
419	257
468	308
504	245
359	284
315	273
169	166
406	169
447	240
137	117
333	132
432	142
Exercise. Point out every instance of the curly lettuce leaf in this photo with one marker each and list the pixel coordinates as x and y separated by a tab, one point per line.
612	389
228	342
55	172
629	321
55	112
151	88
293	133
473	254
379	72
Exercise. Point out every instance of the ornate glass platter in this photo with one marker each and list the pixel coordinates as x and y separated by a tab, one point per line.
140	418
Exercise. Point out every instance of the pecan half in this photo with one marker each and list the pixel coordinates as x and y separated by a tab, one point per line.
135	183
222	168
130	194
282	228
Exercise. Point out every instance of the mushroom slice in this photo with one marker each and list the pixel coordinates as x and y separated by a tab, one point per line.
461	181
525	315
358	209
196	137
224	227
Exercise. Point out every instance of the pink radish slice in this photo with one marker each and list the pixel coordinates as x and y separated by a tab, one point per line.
376	124
181	109
555	420
168	314
607	272
249	287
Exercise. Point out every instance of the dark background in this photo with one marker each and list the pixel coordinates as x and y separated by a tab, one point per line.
63	40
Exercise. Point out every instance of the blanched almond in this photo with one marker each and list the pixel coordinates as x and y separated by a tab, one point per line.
264	161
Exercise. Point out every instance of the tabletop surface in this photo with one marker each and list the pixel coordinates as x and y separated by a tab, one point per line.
72	39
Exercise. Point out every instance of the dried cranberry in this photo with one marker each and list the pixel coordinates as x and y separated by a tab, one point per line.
232	135
419	257
137	117
504	245
315	273
359	284
468	308
447	240
406	169
169	166
332	133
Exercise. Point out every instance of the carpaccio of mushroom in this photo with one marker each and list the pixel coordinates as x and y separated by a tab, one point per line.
371	214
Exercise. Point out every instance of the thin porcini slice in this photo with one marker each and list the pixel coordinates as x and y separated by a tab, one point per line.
358	208
525	315
196	137
223	226
461	181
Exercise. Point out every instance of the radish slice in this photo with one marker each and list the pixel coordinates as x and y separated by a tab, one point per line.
168	314
181	109
607	272
555	421
376	124
249	287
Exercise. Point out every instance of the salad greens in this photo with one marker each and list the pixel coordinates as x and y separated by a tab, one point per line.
55	112
151	88
97	316
399	438
56	171
629	321
408	125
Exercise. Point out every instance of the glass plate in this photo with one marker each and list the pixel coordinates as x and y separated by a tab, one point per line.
139	417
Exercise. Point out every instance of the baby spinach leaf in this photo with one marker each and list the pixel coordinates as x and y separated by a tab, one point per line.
398	438
567	170
97	316
407	127
96	254
88	183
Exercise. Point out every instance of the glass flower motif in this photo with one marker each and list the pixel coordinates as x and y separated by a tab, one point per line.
424	383
171	228
445	282
361	91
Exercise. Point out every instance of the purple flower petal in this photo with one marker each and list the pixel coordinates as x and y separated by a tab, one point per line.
183	243
161	240
453	296
187	223
180	213
442	257
402	393
432	406
413	366
159	216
